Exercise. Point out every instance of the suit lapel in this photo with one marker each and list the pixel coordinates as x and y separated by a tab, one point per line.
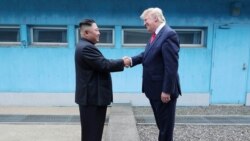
150	46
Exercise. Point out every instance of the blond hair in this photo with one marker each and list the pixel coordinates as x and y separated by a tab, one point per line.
155	13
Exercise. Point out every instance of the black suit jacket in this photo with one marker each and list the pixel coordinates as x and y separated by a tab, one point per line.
93	79
160	65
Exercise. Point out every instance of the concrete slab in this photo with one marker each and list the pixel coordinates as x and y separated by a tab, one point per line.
248	99
25	110
41	131
67	99
27	132
122	124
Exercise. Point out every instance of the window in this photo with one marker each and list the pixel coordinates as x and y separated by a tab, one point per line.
49	35
135	37
106	38
9	35
191	37
194	37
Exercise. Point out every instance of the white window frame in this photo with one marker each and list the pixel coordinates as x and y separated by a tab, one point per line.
11	43
47	43
99	44
202	44
113	38
132	45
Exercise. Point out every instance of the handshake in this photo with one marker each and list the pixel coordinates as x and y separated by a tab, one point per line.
127	61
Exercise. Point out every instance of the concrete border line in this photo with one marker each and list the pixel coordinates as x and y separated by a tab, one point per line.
122	124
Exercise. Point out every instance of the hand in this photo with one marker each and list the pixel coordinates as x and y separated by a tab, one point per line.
126	61
165	97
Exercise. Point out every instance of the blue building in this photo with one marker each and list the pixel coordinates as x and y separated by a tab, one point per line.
37	43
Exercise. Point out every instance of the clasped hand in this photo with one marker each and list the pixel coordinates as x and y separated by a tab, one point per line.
127	61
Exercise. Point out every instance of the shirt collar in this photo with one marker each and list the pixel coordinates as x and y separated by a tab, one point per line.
159	28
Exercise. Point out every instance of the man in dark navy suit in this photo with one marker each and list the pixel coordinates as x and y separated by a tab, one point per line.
93	81
160	71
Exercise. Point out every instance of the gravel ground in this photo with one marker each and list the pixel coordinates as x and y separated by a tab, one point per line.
196	132
209	110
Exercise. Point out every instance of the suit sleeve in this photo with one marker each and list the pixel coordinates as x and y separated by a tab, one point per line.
170	55
98	62
137	59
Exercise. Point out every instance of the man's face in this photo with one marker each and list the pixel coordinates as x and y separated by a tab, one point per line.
93	33
150	23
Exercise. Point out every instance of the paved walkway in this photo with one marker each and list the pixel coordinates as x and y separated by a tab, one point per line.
13	130
122	124
63	124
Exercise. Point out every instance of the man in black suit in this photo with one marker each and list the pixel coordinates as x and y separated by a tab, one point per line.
93	81
160	71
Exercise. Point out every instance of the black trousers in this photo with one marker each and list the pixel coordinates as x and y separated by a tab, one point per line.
92	122
165	118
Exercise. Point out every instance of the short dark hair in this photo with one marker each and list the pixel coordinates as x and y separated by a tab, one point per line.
86	22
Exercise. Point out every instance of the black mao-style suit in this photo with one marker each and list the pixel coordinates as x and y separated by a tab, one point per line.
160	74
93	87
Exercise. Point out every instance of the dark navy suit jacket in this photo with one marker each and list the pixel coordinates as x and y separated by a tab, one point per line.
160	65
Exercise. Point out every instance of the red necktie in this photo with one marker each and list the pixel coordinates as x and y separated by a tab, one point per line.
152	38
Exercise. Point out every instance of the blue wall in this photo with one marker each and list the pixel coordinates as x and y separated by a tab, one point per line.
248	78
48	69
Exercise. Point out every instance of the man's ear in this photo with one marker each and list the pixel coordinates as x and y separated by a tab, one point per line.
85	33
156	19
